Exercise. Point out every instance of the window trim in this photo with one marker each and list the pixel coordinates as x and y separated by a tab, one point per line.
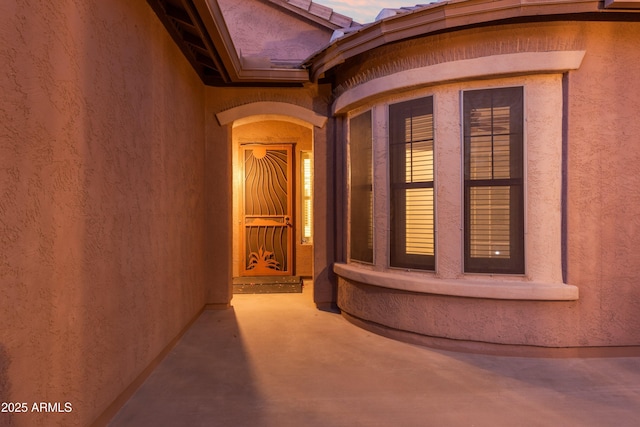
469	287
542	106
485	67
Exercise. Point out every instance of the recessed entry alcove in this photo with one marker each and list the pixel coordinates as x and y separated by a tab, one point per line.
272	202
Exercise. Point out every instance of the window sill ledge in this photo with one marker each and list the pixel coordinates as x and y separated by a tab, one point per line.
469	288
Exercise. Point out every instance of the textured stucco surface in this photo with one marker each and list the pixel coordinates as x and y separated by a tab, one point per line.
533	323
101	201
603	181
457	46
602	207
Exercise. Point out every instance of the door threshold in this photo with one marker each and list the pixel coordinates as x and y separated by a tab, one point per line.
267	284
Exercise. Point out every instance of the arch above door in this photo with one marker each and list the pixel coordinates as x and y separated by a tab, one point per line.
260	111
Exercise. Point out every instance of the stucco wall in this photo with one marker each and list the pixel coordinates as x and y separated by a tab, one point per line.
603	182
459	45
101	202
602	205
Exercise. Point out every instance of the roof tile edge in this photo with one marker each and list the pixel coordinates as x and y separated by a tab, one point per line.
323	12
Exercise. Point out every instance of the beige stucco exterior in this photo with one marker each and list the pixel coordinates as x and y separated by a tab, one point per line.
102	207
479	309
603	216
118	170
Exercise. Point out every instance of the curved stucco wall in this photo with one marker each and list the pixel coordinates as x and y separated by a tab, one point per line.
101	202
601	219
603	179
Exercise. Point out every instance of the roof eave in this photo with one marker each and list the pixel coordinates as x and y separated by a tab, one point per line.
316	13
213	20
439	17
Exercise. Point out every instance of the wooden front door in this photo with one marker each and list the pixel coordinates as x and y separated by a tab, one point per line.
267	221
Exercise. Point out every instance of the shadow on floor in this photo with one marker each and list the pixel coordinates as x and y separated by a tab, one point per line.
205	380
275	360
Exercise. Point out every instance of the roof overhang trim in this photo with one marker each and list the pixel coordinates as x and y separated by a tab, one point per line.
484	67
214	23
443	16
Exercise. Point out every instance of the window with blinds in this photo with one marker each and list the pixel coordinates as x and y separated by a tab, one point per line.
361	188
412	243
493	181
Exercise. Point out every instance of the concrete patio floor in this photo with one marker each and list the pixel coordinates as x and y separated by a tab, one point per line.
275	360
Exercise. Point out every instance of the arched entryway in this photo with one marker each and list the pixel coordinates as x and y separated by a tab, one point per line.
273	206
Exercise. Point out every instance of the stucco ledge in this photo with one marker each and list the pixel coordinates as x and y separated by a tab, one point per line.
511	64
465	287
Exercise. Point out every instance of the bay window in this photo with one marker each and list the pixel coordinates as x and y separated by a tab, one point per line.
460	187
480	171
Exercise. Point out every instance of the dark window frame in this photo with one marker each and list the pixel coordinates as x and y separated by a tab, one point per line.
496	98
361	239
398	114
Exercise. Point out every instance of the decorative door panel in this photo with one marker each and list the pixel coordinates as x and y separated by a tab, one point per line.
267	220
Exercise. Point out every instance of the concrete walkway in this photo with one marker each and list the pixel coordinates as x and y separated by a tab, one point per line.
274	360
